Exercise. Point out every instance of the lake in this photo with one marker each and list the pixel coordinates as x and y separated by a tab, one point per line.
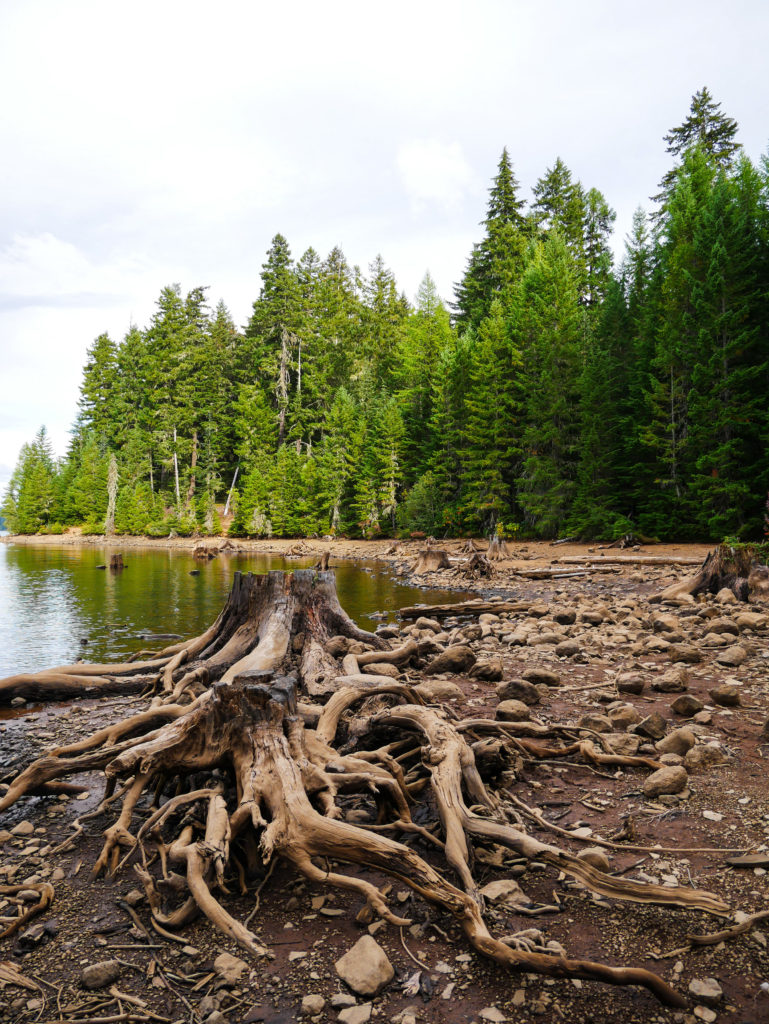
56	606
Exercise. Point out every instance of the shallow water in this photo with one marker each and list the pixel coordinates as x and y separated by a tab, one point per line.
56	607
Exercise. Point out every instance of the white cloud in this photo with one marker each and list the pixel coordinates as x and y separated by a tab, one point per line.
434	172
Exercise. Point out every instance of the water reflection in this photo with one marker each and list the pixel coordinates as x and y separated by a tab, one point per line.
58	607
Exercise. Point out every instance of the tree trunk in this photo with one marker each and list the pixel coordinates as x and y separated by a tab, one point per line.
725	567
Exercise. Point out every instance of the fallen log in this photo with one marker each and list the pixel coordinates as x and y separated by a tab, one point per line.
626	560
473	607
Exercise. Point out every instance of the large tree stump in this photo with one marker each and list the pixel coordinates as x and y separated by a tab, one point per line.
726	567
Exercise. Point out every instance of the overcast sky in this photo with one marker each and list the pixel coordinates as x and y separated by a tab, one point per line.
149	143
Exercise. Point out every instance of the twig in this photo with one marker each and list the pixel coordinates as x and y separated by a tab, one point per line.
409	953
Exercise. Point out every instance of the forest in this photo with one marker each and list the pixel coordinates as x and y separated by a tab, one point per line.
558	394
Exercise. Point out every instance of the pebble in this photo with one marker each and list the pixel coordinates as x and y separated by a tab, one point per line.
365	967
355	1014
706	990
670	779
313	1004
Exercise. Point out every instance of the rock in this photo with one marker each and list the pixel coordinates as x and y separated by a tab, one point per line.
564	616
703	756
592	618
723	625
217	1017
432	624
623	717
548	637
365	967
727	695
679	741
229	968
675	680
24	828
101	974
671	779
542	675
439	689
567	649
726	596
517	638
491	1013
490	670
595	856
669	759
457	658
313	1004
732	656
752	621
624	744
706	990
517	689
341	1000
685	652
355	1014
512	711
686	706
654	726
665	623
597	723
705	1013
505	890
630	682
382	669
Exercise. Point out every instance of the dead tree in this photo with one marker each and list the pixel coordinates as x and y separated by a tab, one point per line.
214	779
725	567
430	560
498	549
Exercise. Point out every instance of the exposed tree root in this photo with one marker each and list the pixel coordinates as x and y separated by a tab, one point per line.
224	772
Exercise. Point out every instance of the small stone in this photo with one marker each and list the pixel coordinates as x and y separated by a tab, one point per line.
190	950
596	723
623	717
703	756
726	596
458	658
676	680
654	726
512	711
517	689
542	675
365	967
313	1004
727	695
704	1012
732	656
712	816
630	682
623	743
341	1000
24	828
679	741
439	690
229	968
491	1013
666	780
490	671
101	974
567	649
594	856
355	1014
685	652
686	706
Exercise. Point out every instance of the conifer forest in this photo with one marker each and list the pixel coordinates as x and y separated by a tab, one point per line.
560	393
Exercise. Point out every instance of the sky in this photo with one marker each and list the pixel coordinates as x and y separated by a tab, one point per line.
151	143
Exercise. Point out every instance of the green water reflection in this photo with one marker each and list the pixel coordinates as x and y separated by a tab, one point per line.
56	606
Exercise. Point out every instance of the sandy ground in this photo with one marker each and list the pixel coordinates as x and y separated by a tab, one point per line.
684	839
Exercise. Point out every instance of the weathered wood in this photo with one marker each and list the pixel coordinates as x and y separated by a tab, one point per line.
473	607
626	560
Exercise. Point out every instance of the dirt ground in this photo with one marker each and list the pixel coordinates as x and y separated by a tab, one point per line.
675	839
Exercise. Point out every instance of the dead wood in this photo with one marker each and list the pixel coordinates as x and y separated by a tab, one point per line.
477	606
430	559
626	560
725	567
477	565
498	549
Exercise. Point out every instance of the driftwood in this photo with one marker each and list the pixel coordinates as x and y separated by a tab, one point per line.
733	568
476	606
215	779
626	560
116	562
477	565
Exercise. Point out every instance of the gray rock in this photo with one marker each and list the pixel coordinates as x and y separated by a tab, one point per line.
490	670
365	967
685	652
341	1000
432	624
313	1004
623	743
229	968
706	990
671	779
355	1014
99	975
439	689
598	723
564	616
623	717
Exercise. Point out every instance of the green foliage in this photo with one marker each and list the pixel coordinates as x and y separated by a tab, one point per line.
565	397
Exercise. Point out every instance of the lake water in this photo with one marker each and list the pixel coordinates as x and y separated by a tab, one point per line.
56	606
